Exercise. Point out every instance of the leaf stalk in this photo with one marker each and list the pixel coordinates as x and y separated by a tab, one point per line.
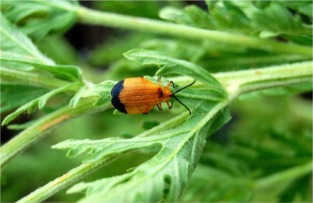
93	17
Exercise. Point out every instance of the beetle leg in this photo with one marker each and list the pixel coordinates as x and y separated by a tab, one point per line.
169	105
146	111
159	80
169	84
159	105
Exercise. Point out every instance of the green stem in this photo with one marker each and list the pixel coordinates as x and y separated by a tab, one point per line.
93	17
289	174
239	82
62	182
39	129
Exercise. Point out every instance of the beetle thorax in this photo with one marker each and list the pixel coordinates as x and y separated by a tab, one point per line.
166	94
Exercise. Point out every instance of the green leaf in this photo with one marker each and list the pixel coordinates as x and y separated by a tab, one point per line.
226	15
174	146
68	72
186	50
282	21
13	96
101	90
170	65
21	126
40	18
99	185
174	15
12	40
303	7
179	142
165	175
74	101
18	52
40	101
10	76
199	17
253	17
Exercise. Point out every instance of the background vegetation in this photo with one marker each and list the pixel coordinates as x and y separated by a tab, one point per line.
249	138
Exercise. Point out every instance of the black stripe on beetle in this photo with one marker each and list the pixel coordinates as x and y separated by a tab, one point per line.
115	92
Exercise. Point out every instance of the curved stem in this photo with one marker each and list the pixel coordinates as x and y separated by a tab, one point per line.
93	17
38	130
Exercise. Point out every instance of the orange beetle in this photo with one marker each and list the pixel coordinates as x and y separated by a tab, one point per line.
139	95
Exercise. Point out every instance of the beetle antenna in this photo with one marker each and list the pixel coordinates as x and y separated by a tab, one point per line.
181	103
184	87
173	95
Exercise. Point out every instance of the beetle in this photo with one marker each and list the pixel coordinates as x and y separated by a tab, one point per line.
139	95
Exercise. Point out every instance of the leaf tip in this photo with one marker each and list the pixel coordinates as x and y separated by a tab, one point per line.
131	53
41	103
7	120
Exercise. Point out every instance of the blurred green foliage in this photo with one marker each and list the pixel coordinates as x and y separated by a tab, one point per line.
251	148
267	136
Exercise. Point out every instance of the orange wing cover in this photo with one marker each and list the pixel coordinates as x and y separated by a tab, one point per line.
137	95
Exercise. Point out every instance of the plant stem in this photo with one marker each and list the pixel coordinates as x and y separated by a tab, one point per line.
62	182
93	17
239	82
38	130
289	174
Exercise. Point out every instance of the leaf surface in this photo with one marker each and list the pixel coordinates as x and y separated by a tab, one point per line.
31	105
179	143
12	40
168	65
13	96
40	18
